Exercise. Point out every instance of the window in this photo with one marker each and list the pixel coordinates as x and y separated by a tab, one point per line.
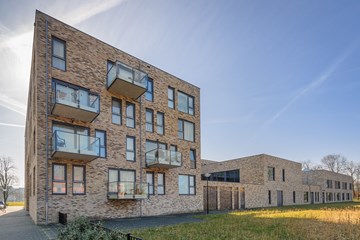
58	54
271	174
226	176
348	196
59	179
130	115
328	184
151	153
192	158
317	197
186	130
283	175
160	123
338	197
78	180
343	196
130	148
350	186
294	197
306	197
269	196
344	185
149	120
150	182
149	95
120	181
337	185
116	111
102	142
185	103
161	184
186	185
110	75
171	93
34	181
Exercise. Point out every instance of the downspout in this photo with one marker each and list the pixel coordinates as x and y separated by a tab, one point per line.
46	125
141	151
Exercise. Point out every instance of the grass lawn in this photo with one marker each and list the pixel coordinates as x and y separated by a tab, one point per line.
325	221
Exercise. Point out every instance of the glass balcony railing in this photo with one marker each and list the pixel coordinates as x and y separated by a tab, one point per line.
75	146
127	190
75	103
126	81
163	158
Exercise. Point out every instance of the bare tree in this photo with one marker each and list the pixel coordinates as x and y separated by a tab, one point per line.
7	176
357	181
306	165
351	169
334	162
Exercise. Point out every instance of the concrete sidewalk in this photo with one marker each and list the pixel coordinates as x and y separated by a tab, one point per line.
16	224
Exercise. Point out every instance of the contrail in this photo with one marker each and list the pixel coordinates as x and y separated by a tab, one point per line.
12	105
12	125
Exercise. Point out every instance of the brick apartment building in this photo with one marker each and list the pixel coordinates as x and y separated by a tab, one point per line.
265	181
107	135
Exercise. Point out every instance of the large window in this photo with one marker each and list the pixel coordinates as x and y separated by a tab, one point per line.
116	111
317	197
306	197
78	180
192	158
130	115
160	123
161	184
225	176
122	181
59	179
329	184
350	186
344	185
58	54
185	103
149	95
150	182
186	130
271	173
149	120
102	142
171	99
186	185
130	148
337	184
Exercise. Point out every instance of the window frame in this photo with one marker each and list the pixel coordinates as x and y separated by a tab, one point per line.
84	179
283	175
306	197
188	96
118	175
116	114
130	118
273	174
147	123
173	97
192	162
151	185
152	90
269	197
58	181
157	123
127	150
163	184
105	142
294	196
58	57
183	130
189	186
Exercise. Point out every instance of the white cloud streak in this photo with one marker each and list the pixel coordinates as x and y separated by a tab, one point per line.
12	125
315	83
12	104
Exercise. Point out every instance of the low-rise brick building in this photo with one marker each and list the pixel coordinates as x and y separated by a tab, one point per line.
107	135
265	181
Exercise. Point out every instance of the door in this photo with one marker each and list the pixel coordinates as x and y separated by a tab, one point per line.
236	199
242	198
225	198
280	198
312	197
212	198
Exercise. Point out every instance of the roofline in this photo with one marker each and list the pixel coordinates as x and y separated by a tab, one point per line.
324	170
38	11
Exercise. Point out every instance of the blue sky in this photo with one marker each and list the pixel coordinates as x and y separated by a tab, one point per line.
276	77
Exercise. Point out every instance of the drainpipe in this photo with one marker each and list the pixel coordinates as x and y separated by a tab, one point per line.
141	151
46	125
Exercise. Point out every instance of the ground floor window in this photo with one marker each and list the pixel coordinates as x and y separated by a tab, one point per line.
269	196
186	184
121	181
161	184
78	180
294	197
150	182
317	197
306	197
59	179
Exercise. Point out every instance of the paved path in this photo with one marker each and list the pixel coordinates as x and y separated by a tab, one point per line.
15	224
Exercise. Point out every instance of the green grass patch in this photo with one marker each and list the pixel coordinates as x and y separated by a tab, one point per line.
325	221
15	203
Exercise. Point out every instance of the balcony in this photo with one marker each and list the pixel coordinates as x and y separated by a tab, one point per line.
127	190
75	146
126	81
161	158
72	102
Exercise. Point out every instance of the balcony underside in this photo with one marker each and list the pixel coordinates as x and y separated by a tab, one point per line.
161	165
74	112
125	88
67	154
114	196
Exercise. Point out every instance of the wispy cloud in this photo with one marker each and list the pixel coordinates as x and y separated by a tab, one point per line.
316	82
12	125
12	104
